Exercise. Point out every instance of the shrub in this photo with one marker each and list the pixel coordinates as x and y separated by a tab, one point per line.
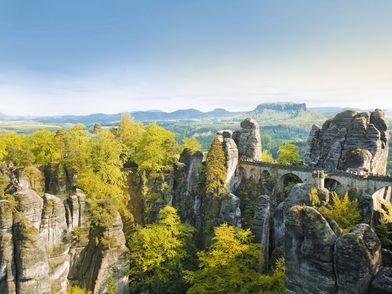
343	210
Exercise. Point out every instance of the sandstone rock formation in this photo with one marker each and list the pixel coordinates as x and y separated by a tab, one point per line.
230	211
309	245
357	258
382	283
248	140
350	141
187	194
37	254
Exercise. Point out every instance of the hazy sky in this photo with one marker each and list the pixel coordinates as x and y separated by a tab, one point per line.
85	56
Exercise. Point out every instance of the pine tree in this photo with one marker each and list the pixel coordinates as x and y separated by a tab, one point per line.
216	169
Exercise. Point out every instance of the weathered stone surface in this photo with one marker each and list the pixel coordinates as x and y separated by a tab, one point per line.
357	258
96	263
53	232
260	224
248	140
29	204
382	283
186	195
230	211
352	141
31	259
7	266
309	243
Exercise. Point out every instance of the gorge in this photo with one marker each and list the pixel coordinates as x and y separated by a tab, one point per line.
49	241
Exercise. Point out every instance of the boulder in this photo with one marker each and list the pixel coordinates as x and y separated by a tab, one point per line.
309	242
357	258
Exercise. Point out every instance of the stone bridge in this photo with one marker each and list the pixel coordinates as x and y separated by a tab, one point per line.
366	184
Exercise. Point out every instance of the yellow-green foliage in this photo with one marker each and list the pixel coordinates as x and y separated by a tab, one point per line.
343	210
16	149
130	133
77	290
157	150
232	264
4	182
44	146
158	253
112	287
215	169
267	157
190	143
289	154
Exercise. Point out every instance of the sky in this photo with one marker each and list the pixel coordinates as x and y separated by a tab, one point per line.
110	56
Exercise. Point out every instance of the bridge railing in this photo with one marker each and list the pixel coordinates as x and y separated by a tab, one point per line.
304	168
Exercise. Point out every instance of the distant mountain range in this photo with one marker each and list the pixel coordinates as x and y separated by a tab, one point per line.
182	114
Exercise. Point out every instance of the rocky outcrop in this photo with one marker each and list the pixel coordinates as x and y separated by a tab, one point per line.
382	283
357	258
39	252
96	263
350	141
186	192
7	265
231	157
230	211
248	140
309	242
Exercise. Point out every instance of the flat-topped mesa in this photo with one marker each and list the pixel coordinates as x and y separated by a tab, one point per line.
351	141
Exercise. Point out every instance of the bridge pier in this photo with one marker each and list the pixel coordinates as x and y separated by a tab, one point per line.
319	177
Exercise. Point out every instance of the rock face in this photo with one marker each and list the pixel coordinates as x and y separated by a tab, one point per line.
231	156
309	242
351	141
187	195
382	283
96	264
248	140
230	211
357	259
37	254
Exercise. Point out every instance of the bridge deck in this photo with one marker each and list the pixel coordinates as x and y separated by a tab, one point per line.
304	168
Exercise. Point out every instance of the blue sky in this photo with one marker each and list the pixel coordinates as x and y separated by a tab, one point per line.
78	57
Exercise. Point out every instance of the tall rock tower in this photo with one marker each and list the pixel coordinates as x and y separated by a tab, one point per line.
351	141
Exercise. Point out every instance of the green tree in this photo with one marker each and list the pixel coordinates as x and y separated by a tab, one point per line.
97	128
342	209
130	133
158	254
75	147
157	150
45	147
289	154
190	143
267	157
102	178
17	151
215	169
232	265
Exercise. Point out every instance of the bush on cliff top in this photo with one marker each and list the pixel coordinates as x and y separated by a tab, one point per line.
342	209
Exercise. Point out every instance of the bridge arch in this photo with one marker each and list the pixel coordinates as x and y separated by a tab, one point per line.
334	185
287	181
